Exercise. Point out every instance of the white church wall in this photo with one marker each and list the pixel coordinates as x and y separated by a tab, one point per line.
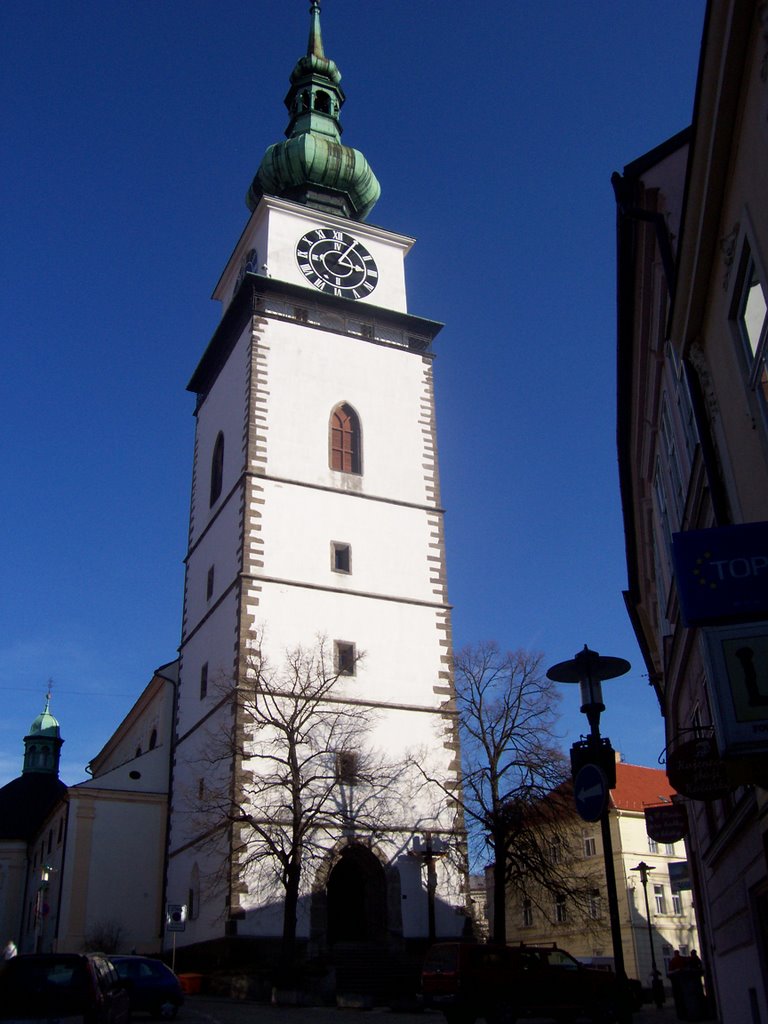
218	549
309	373
147	773
400	644
219	412
388	543
212	645
196	881
113	868
275	228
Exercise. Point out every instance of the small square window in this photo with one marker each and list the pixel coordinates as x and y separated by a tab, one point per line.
209	585
204	680
341	557
347	767
346	658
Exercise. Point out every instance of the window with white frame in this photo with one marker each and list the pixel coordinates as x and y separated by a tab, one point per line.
658	896
653	846
697	723
527	913
595	908
677	904
686	416
662	504
556	850
750	315
673	462
590	845
561	910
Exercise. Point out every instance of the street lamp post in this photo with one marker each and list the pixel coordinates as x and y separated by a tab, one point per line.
657	986
594	769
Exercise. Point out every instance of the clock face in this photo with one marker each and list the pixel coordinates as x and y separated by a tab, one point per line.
336	263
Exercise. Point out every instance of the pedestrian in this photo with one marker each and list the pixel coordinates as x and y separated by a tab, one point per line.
677	963
657	988
694	962
10	950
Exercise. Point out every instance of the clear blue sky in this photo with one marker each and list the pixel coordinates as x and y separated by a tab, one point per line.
130	133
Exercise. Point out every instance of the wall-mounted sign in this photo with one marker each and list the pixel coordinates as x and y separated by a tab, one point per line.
679	876
666	823
737	662
696	770
722	573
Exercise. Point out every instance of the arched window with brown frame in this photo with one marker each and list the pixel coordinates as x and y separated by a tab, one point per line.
217	468
345	446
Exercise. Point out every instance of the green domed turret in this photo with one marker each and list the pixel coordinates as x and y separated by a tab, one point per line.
313	166
42	745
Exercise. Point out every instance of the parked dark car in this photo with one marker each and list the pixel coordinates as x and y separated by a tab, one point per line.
152	987
60	987
508	983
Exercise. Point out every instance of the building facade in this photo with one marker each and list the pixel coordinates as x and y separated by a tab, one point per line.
693	454
583	927
82	867
315	526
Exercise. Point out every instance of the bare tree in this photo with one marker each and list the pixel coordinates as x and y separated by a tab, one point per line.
305	775
512	771
104	936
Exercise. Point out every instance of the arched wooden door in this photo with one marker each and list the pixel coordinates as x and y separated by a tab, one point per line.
357	898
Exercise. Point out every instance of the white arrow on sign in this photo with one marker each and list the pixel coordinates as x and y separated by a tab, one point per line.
585	794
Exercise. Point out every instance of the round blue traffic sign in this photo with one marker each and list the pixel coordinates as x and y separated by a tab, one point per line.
590	790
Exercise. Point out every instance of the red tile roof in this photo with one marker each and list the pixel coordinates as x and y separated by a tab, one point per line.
638	788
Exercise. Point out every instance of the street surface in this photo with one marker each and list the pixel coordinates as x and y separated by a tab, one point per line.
216	1010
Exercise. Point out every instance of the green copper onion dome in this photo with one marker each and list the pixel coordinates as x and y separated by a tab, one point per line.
312	166
45	724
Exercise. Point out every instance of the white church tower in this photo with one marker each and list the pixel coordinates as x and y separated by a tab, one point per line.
316	513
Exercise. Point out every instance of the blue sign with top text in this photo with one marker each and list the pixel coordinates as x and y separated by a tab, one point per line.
722	573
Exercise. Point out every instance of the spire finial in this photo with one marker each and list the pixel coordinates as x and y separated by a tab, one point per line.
315	44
